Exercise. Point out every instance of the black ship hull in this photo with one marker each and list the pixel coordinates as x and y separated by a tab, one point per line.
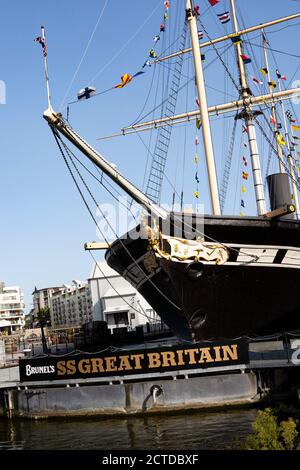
253	293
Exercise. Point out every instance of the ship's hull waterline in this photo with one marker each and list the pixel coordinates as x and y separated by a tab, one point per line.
253	293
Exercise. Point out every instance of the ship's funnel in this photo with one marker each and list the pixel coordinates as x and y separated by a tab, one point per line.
279	191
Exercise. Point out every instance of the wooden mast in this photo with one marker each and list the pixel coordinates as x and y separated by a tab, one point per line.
206	132
249	123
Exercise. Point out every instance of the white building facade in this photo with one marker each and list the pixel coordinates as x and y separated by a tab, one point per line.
117	302
71	306
12	315
42	300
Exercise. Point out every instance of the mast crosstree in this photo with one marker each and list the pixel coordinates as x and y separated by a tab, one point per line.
245	104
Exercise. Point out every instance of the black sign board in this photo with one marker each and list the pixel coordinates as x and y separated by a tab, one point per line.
79	366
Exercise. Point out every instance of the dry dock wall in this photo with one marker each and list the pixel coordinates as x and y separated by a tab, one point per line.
135	397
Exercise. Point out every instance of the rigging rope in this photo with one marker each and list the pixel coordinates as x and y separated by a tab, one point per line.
254	117
159	158
125	45
58	140
227	168
83	55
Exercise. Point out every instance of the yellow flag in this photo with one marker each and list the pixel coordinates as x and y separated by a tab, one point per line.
196	194
243	189
126	78
296	128
264	71
266	103
196	158
281	140
242	214
198	123
272	84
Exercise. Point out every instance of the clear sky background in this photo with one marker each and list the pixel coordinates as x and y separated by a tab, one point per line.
43	221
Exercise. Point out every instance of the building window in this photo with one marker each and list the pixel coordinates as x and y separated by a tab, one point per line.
121	317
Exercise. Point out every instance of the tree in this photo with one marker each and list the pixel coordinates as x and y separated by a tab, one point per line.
269	435
43	317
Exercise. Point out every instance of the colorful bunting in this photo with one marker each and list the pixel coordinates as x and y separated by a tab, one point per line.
264	71
280	139
198	123
41	41
245	176
152	53
272	84
296	128
246	59
197	10
86	93
126	78
224	17
272	120
147	63
196	159
213	2
245	129
283	77
200	35
258	82
138	73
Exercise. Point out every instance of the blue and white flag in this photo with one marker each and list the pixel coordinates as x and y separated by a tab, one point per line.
86	93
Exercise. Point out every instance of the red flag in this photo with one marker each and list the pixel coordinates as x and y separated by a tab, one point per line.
272	120
258	82
213	2
246	59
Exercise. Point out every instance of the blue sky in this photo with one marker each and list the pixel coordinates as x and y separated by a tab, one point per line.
43	221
